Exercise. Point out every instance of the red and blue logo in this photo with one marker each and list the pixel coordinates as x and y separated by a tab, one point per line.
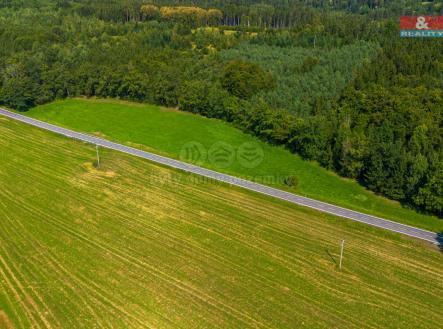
421	26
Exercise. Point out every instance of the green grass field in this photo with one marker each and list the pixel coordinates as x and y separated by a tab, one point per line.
166	131
134	245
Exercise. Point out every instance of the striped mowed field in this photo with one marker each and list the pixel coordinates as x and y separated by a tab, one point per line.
136	245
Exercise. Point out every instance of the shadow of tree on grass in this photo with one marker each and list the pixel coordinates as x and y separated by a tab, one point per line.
440	241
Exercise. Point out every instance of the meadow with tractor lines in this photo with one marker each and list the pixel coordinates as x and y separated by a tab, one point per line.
133	244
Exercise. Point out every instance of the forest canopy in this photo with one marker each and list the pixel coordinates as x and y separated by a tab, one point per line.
330	80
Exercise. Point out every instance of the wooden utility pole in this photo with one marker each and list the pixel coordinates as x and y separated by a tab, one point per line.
341	253
98	157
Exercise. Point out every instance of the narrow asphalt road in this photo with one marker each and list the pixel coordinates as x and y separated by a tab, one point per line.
299	200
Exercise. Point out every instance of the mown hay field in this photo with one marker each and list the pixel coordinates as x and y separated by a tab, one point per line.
167	132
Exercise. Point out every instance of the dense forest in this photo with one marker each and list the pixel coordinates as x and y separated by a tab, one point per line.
331	80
